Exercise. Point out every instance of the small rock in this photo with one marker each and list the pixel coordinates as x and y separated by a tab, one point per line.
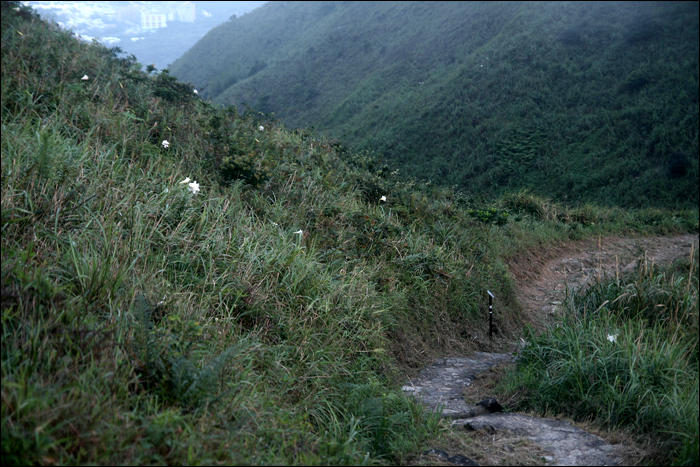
491	405
437	452
457	459
482	426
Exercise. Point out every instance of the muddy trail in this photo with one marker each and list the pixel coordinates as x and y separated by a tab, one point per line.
460	386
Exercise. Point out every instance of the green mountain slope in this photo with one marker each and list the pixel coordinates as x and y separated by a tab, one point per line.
188	284
578	101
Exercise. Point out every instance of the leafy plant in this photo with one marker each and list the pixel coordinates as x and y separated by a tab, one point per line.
490	215
169	88
247	167
164	359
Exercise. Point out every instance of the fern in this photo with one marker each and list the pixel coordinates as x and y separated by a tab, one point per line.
163	359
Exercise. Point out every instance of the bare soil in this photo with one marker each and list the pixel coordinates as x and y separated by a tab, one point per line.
542	278
543	281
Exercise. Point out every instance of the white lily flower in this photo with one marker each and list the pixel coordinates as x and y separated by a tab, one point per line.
187	180
85	78
194	187
165	143
383	198
612	338
300	232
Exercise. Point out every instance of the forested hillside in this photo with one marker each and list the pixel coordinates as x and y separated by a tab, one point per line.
189	284
578	101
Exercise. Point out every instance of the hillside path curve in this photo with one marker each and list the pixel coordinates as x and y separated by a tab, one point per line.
542	286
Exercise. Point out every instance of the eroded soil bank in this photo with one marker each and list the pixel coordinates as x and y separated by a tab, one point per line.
542	285
455	384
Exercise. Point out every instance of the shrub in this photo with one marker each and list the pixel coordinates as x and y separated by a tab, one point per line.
247	167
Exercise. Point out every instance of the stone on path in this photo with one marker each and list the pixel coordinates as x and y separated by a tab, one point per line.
569	445
442	383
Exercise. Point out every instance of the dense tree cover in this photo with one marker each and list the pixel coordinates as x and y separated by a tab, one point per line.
577	101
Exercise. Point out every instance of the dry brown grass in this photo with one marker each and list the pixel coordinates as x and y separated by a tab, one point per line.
501	448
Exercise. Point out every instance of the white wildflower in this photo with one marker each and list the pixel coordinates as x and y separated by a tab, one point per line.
195	91
261	128
187	180
194	187
165	143
383	198
612	337
300	232
85	78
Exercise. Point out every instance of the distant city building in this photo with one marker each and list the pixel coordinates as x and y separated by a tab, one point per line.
170	11
186	12
153	20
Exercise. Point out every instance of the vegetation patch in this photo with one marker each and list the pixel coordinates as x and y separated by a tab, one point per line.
579	103
625	354
186	283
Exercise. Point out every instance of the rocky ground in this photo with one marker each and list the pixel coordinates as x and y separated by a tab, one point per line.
460	387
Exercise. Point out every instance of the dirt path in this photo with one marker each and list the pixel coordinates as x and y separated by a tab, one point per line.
542	287
455	385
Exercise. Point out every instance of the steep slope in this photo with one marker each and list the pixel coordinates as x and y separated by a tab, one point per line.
183	283
585	102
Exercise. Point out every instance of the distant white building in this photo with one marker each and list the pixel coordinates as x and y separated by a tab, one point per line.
171	11
185	12
130	14
153	20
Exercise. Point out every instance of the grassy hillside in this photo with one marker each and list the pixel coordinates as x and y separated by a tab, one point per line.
625	354
183	283
576	101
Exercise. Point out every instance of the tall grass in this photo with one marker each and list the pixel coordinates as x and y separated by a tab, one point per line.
146	323
625	354
268	318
